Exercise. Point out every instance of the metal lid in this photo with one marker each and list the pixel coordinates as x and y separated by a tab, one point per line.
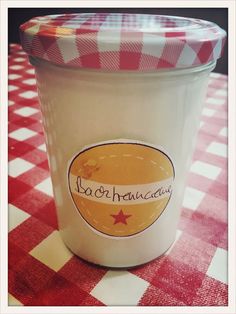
120	41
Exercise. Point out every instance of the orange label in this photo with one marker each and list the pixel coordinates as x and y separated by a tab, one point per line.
121	187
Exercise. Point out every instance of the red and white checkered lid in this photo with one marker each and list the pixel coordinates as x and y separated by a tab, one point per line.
121	41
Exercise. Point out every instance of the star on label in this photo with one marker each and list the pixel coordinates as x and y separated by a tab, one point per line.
120	218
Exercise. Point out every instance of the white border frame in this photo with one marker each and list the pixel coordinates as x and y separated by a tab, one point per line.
230	4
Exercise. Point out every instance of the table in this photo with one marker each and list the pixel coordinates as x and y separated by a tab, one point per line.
42	271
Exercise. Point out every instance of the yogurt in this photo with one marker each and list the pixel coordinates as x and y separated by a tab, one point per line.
121	96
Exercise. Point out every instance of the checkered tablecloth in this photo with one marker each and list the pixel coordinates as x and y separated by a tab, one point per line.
41	269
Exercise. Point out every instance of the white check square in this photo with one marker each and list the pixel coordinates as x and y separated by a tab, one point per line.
222	92
16	67
31	71
120	288
192	198
150	49
26	111
188	54
52	252
215	101
201	124
224	132
19	59
10	102
12	88
21	53
68	49
45	186
28	94
13	76
13	301
208	112
42	147
218	149
15	217
218	267
30	81
18	166
205	170
22	134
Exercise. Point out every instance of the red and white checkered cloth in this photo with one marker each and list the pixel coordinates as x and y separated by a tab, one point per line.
41	269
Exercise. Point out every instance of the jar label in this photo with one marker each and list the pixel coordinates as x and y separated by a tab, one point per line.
121	187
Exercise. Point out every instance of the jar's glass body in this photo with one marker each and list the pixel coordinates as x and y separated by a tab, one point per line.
82	107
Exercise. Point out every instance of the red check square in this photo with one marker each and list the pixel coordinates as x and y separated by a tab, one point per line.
179	280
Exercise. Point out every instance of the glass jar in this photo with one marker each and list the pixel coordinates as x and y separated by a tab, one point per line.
120	132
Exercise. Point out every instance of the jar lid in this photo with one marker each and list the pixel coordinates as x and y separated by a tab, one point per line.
121	41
